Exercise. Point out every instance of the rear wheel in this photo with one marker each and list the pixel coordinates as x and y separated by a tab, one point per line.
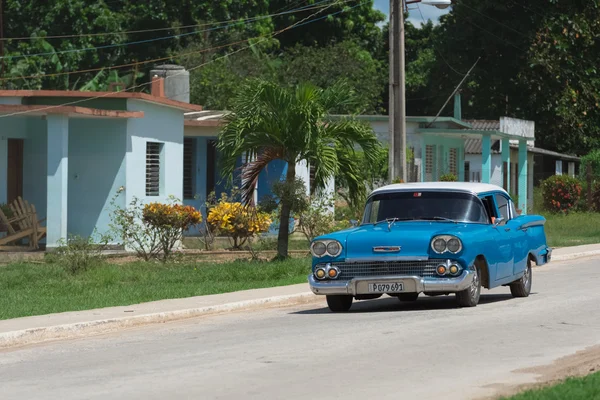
339	303
408	296
522	287
470	296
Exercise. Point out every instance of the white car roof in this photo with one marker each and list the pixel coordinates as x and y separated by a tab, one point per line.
468	187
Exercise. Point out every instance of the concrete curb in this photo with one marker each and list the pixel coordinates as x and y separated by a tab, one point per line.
90	328
573	256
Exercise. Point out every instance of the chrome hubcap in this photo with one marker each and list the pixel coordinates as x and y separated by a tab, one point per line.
475	285
526	277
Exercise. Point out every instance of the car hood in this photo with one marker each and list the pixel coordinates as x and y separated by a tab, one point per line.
412	237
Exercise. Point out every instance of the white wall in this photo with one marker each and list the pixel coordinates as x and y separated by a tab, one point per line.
159	124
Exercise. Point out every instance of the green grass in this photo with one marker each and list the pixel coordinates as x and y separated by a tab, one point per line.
586	388
37	289
573	229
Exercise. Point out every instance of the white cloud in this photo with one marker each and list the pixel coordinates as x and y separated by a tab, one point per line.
429	12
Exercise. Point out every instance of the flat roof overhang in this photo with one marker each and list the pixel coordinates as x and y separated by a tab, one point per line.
71	111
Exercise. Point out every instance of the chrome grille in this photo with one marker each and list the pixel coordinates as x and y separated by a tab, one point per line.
379	268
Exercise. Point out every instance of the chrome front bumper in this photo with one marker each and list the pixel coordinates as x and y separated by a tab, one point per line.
412	284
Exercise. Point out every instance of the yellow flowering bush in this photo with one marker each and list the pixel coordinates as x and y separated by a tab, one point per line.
168	222
237	221
175	216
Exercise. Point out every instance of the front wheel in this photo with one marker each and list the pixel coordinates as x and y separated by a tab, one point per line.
470	296
522	287
339	303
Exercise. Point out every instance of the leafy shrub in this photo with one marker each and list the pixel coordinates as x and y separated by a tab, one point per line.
316	219
593	159
79	253
170	221
237	221
561	193
448	178
152	230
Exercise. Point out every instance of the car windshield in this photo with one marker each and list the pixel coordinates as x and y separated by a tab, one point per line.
425	205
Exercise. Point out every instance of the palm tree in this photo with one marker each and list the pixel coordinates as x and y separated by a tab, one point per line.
269	122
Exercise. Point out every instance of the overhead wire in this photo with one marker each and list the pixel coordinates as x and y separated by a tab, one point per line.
279	12
53	53
107	94
131	64
437	51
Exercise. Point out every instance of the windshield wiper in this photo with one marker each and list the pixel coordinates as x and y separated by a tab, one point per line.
436	219
392	220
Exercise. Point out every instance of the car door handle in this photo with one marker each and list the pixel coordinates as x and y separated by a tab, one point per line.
507	229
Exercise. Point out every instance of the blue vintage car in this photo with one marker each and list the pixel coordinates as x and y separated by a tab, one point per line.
434	238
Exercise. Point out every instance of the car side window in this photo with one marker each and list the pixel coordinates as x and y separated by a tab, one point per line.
513	210
488	203
503	205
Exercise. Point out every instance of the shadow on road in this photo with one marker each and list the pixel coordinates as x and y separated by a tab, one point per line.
424	303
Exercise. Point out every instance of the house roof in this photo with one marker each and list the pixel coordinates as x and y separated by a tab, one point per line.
484	124
467	187
538	150
110	95
204	118
74	111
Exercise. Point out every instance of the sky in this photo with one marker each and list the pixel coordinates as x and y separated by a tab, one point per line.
429	12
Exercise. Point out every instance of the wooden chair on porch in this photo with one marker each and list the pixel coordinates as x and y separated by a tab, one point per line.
22	224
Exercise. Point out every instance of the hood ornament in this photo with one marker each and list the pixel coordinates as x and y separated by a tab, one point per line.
387	249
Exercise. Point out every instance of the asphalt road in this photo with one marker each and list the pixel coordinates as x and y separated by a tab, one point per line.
381	349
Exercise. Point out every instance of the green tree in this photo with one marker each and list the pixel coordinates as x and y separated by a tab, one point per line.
271	122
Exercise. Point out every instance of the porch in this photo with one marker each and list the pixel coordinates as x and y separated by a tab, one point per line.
66	165
443	152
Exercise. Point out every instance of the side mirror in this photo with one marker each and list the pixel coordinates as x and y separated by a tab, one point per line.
354	223
498	221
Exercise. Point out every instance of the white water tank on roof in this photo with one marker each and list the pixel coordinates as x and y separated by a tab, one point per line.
177	81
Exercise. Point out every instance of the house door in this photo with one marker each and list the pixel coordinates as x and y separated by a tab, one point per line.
15	169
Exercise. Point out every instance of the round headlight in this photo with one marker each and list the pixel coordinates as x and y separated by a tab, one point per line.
320	273
439	245
334	249
454	245
319	249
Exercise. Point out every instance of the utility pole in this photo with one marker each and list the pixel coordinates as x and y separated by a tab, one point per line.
397	99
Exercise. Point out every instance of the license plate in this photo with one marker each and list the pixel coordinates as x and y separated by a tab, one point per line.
392	287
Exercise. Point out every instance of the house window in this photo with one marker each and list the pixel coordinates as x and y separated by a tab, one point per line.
453	160
189	145
153	151
467	177
429	158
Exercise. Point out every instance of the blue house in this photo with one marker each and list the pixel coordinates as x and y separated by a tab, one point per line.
70	153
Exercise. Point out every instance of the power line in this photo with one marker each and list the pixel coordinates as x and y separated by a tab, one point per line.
304	8
295	25
488	17
493	34
435	48
137	63
454	92
136	42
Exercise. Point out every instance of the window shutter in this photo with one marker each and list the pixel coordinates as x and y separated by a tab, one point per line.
152	169
188	168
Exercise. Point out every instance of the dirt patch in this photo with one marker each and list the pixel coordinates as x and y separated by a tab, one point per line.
580	364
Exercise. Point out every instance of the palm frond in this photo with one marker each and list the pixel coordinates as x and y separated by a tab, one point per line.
251	171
